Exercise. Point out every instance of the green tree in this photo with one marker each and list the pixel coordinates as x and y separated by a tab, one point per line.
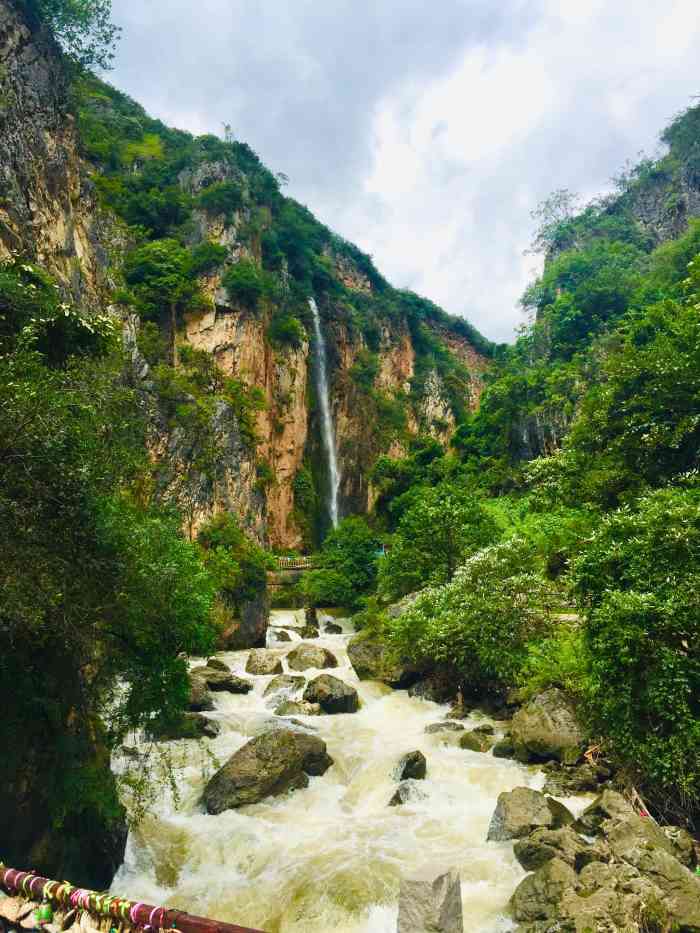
443	526
83	28
348	565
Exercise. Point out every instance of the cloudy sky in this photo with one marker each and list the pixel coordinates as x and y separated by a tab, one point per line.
425	132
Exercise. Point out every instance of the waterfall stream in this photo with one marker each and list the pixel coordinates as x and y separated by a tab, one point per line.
329	857
327	431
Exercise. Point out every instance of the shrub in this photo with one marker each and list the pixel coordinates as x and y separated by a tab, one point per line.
207	256
286	330
223	197
240	564
245	283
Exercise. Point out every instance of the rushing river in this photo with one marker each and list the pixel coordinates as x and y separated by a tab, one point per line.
329	858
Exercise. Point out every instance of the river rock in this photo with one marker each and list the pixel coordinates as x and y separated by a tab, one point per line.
311	616
504	748
263	662
431	906
188	726
683	845
538	896
332	629
303	657
372	660
412	765
447	726
476	741
216	664
284	683
408	791
270	764
297	708
310	631
282	635
566	781
200	699
332	695
547	727
221	681
544	844
437	687
250	631
520	811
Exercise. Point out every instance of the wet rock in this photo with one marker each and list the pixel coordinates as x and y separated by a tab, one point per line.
284	683
408	791
476	741
544	844
683	845
270	764
447	726
546	728
250	631
216	664
297	708
332	629
188	726
263	662
282	635
520	811
485	729
310	631
200	699
332	695
565	781
303	657
436	687
221	681
413	765
311	616
373	661
434	906
607	806
538	896
504	748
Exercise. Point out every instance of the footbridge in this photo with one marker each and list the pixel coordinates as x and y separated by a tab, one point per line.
290	570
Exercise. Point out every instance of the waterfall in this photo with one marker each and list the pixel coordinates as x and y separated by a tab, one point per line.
327	430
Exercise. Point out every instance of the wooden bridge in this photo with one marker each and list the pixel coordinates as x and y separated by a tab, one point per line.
45	896
297	563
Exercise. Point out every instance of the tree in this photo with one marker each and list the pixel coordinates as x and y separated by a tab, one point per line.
348	566
443	526
83	29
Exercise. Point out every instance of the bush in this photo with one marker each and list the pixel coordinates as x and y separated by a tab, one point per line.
286	330
240	565
223	197
206	257
348	566
245	283
481	623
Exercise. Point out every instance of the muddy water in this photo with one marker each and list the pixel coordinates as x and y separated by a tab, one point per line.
329	858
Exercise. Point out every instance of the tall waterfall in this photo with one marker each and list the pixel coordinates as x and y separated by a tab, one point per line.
327	431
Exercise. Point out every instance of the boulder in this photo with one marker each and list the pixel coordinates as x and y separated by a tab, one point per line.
263	662
434	906
297	708
200	699
412	765
216	664
447	726
332	629
486	729
566	781
282	635
683	845
504	748
476	741
544	844
311	616
372	660
538	896
303	657
520	811
607	806
332	695
250	631
547	727
310	631
284	683
221	681
437	687
407	792
270	764
188	726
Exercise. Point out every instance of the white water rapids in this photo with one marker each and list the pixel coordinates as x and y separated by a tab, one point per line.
329	858
327	430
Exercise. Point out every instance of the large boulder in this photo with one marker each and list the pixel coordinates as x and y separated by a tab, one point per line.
187	726
412	765
538	896
200	699
304	657
434	906
250	631
310	631
216	664
547	727
332	628
438	687
520	811
221	681
332	695
297	708
270	764
284	683
372	660
476	741
263	662
544	844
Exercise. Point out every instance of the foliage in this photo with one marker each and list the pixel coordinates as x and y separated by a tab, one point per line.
83	28
639	582
348	566
245	283
222	197
439	530
160	277
207	257
238	563
286	330
481	622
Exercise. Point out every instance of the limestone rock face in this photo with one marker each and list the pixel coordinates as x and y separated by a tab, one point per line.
332	695
520	811
547	727
372	661
431	906
263	662
310	656
268	765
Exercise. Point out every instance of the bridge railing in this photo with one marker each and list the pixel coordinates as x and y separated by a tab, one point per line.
296	563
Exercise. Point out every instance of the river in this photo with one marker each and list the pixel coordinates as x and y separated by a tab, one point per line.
328	858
